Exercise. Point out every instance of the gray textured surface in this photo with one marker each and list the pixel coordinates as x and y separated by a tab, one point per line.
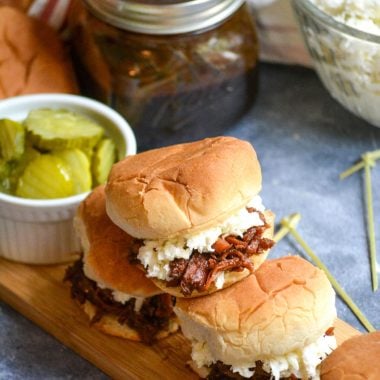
304	140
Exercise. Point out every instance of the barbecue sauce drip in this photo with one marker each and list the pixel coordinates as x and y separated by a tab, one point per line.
153	316
231	253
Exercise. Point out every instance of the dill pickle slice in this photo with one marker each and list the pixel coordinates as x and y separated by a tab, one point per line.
29	155
52	129
45	177
80	168
89	152
104	157
5	169
12	139
17	167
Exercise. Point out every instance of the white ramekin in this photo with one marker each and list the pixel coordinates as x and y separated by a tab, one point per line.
41	231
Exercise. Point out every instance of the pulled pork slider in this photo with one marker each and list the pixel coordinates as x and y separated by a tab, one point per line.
356	358
274	324
195	212
117	296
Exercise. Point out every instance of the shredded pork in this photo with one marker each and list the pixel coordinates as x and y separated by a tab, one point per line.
220	371
153	316
231	253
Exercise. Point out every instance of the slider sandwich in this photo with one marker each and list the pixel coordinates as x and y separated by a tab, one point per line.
195	213
358	358
275	324
117	296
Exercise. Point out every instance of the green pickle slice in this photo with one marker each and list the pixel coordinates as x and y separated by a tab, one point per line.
52	129
79	166
5	171
103	159
12	139
16	168
46	177
53	153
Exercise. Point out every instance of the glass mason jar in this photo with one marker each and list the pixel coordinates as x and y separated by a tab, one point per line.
176	70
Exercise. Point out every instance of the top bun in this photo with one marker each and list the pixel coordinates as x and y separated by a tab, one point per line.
356	358
106	249
33	58
182	188
282	307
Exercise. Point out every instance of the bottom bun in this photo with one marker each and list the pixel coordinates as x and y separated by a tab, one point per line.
230	278
356	358
109	324
202	372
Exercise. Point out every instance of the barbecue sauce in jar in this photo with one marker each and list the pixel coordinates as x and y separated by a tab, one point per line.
176	70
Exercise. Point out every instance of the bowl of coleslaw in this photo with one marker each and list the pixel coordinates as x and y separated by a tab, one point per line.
343	38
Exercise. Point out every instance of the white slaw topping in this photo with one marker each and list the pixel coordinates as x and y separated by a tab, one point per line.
155	255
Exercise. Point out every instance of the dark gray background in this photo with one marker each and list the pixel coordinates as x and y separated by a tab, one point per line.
304	139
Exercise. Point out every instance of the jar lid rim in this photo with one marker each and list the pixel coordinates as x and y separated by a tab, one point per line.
163	19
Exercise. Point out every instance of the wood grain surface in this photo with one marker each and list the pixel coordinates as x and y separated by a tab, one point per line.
39	294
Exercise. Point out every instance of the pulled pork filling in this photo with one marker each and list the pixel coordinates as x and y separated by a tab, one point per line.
153	316
220	371
231	253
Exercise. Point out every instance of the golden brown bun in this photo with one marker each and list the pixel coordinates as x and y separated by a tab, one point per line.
20	4
202	372
109	325
106	249
229	277
356	359
282	307
182	188
33	59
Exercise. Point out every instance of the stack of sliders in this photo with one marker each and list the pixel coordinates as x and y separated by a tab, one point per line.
186	221
199	231
116	295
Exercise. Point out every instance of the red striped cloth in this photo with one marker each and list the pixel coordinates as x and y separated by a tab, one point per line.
53	12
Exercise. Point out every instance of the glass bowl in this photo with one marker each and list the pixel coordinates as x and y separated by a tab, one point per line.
346	59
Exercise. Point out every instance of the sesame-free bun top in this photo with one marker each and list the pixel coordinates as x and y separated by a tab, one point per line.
356	358
106	249
182	188
33	58
283	306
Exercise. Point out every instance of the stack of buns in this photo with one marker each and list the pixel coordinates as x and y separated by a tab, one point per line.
189	221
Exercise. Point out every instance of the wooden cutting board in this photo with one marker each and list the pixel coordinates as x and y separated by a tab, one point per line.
39	294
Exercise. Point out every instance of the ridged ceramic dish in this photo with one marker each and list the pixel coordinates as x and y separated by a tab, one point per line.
41	231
